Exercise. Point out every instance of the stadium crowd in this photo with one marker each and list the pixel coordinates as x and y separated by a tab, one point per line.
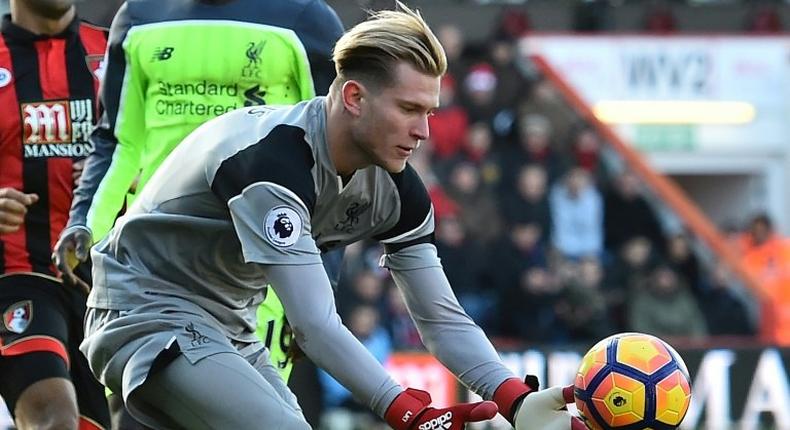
529	211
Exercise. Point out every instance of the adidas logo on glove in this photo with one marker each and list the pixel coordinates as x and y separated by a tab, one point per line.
441	422
410	411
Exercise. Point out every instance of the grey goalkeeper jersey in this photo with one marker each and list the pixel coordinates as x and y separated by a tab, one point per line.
252	197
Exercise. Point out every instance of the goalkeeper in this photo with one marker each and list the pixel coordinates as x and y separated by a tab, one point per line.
251	197
170	69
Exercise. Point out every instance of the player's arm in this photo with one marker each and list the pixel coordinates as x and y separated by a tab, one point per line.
118	139
453	338
109	171
308	300
318	27
445	328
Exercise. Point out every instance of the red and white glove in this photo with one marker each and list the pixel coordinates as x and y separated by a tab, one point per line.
529	409
410	411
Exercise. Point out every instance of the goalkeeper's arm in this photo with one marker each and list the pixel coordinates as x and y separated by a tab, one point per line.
449	333
309	302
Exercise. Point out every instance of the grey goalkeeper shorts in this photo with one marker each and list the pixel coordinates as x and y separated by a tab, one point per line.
175	370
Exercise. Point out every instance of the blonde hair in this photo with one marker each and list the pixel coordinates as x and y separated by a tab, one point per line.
369	51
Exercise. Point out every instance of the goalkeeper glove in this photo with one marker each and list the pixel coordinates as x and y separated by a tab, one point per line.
410	411
529	409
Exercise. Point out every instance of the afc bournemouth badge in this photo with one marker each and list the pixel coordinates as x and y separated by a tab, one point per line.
283	226
17	317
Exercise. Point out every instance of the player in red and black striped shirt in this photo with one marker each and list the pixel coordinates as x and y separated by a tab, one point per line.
49	77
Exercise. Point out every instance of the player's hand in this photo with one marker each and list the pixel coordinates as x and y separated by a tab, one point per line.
410	411
13	207
70	250
529	409
545	410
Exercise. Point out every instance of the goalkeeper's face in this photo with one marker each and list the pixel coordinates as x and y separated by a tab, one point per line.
393	120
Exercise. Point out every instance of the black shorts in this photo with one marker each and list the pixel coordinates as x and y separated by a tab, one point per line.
39	339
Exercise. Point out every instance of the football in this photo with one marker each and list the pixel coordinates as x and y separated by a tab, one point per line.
632	381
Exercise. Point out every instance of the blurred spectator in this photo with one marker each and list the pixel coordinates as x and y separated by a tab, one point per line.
479	86
359	257
366	288
513	24
634	261
514	253
577	216
628	215
630	269
528	310
477	149
767	258
582	307
479	99
399	324
682	259
534	146
449	123
725	313
659	17
477	208
464	262
530	202
664	306
513	86
342	412
586	151
545	100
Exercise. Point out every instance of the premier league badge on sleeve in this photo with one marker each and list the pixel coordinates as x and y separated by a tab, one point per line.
283	226
17	317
